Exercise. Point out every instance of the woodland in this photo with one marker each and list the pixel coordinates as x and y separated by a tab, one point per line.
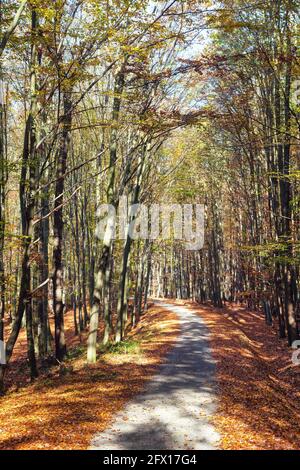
164	102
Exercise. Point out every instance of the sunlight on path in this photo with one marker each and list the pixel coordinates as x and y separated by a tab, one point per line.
174	411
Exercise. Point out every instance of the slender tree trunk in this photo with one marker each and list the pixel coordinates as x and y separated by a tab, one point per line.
2	204
148	274
100	284
44	275
3	173
30	341
127	248
58	227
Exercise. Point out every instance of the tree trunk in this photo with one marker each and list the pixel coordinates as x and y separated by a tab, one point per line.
101	284
58	226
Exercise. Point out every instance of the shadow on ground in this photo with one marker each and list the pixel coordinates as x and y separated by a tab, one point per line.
175	410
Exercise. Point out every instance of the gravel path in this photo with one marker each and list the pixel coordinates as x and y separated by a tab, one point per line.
174	411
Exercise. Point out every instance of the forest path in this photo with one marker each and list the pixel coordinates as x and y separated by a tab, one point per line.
174	410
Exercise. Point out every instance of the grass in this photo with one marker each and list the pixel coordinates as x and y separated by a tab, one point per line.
76	352
128	346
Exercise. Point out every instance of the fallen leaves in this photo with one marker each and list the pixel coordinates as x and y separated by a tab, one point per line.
64	411
259	389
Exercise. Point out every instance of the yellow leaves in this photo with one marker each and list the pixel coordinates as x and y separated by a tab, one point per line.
226	17
47	14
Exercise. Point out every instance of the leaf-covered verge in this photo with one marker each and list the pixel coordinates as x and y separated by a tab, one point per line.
66	406
258	385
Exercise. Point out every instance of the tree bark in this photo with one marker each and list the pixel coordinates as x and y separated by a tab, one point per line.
58	228
101	278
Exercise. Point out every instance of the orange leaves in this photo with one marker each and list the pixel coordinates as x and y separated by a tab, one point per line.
259	405
65	411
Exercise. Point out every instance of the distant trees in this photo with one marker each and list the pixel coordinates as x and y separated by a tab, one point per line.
262	130
252	136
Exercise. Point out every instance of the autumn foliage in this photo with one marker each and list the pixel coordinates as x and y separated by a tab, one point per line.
65	407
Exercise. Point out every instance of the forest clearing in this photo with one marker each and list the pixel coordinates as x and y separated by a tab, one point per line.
149	225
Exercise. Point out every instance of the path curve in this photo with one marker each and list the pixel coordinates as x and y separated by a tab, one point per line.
175	410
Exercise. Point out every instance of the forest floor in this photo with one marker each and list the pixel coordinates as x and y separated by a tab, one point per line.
65	407
258	385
